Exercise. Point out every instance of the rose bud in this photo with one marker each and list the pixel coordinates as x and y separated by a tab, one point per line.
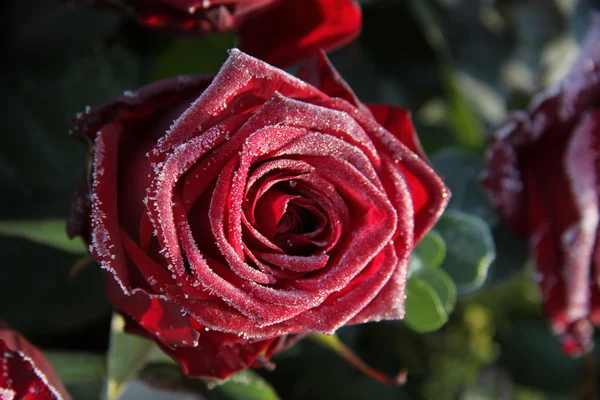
542	175
281	32
231	214
24	372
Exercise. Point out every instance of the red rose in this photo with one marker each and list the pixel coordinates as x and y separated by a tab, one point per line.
25	374
281	32
542	174
230	213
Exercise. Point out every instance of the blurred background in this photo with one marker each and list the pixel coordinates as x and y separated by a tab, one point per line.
474	330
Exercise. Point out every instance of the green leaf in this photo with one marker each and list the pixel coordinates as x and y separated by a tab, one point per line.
77	368
470	249
245	385
532	354
466	125
50	232
127	354
203	55
83	374
461	171
425	311
442	284
431	250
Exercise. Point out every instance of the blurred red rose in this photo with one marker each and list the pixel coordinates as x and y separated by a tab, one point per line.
280	32
25	374
542	174
233	214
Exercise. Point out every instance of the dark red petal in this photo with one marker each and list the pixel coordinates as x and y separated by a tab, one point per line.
563	224
293	30
429	194
397	120
340	307
240	293
554	113
26	373
578	238
319	72
216	360
155	313
194	17
229	95
502	178
283	343
138	105
389	302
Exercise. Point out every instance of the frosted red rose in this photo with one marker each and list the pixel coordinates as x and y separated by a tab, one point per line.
25	374
233	214
280	32
543	175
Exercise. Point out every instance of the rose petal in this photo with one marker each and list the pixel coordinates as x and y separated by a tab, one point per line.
27	374
295	29
397	121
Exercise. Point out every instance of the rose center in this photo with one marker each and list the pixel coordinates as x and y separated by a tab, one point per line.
296	219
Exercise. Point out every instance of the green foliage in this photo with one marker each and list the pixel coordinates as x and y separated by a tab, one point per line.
461	171
83	374
203	55
245	385
471	251
431	250
48	232
430	292
425	310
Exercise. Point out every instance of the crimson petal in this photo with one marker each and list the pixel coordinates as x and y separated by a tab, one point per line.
296	29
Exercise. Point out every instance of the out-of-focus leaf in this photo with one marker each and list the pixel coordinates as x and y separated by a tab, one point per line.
203	55
245	385
465	123
461	171
580	20
512	254
50	232
127	354
491	384
83	374
425	310
77	368
532	355
431	250
470	248
442	284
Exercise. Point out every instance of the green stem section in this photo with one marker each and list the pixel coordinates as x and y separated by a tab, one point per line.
334	343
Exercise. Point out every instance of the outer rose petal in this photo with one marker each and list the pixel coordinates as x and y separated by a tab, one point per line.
216	359
296	29
26	372
542	175
397	120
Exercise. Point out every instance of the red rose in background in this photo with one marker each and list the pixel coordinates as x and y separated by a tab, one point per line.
25	374
542	174
234	214
280	32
